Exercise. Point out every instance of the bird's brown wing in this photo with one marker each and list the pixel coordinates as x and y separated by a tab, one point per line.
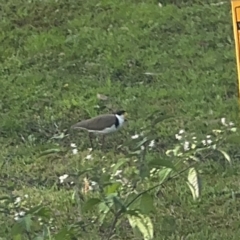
97	123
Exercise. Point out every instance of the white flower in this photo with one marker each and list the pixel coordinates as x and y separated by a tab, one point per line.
117	173
16	216
208	136
26	195
223	121
204	142
209	141
194	138
93	185
142	147
74	151
63	177
22	213
89	157
233	129
73	145
186	146
216	131
152	144
17	200
178	137
193	146
181	131
135	136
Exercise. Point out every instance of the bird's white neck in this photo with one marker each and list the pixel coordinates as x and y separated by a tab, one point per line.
120	119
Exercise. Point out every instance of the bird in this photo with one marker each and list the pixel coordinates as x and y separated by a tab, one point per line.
102	124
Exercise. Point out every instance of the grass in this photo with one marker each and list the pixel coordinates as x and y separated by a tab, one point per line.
58	55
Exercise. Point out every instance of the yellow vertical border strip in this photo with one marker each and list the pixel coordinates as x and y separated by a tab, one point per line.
236	29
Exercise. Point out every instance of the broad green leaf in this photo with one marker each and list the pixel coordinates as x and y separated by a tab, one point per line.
112	188
22	225
104	210
119	164
119	205
17	237
146	203
161	162
64	233
130	198
194	183
89	204
139	144
143	223
40	211
227	157
163	174
17	229
27	221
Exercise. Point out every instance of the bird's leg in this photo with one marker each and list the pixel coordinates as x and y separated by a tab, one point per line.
90	138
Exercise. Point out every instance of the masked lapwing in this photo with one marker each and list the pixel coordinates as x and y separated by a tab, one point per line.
102	124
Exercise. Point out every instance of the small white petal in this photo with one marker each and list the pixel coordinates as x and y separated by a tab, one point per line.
233	129
18	200
22	213
152	144
231	124
117	173
178	137
63	177
204	142
186	146
89	157
142	147
181	131
16	218
223	121
73	145
74	151
193	146
209	141
26	195
194	138
208	136
93	183
135	136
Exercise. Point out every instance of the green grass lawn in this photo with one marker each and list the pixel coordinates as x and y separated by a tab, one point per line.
171	67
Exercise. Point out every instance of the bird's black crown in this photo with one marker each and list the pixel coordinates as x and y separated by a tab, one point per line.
121	112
